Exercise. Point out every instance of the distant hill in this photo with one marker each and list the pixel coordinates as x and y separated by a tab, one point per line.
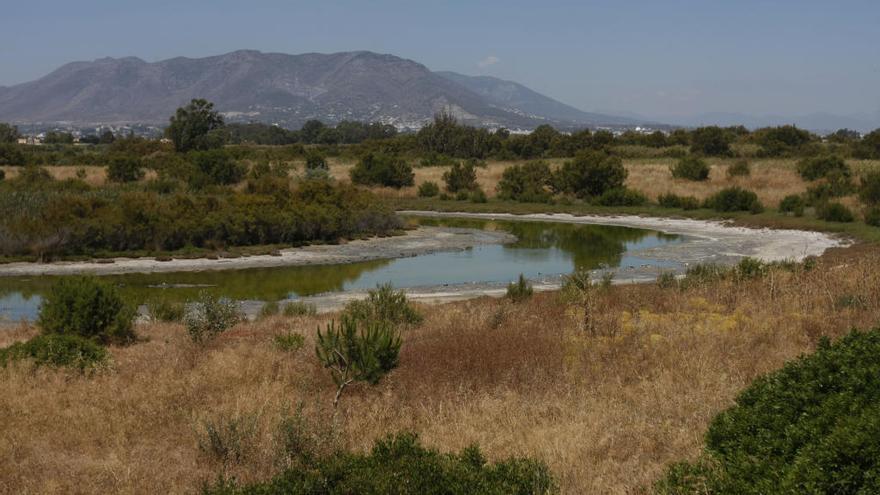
517	98
282	89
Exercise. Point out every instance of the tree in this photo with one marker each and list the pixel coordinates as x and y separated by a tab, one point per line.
124	168
591	173
379	169
310	131
710	141
191	126
526	183
461	177
354	354
107	137
8	133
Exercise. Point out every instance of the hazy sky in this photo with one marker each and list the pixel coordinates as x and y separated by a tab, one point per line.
656	58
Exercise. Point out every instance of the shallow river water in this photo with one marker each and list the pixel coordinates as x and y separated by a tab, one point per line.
543	249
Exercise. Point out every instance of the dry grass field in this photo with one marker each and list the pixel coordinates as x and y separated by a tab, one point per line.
607	412
771	179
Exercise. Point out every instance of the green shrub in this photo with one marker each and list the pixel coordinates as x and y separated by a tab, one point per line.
520	290
793	203
710	141
400	465
527	183
428	189
2	175
164	310
703	273
667	280
621	197
872	216
820	166
590	174
834	212
462	195
690	168
210	315
461	177
315	162
869	190
749	268
213	167
834	185
378	169
436	160
89	308
670	200
229	440
289	342
356	351
478	196
299	308
384	304
739	169
270	308
57	350
124	168
734	199
811	427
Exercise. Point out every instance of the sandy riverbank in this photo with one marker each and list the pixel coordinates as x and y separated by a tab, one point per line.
424	240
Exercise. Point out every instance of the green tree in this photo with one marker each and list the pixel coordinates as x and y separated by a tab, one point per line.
358	353
87	307
591	173
526	183
379	169
190	127
710	141
461	177
8	133
311	130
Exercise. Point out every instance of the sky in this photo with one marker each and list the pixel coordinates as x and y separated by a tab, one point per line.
652	58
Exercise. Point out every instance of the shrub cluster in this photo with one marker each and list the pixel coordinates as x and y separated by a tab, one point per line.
810	427
834	212
590	174
210	316
520	290
821	166
87	307
380	169
690	168
399	464
793	203
384	304
671	200
529	182
57	350
734	199
428	189
461	177
740	168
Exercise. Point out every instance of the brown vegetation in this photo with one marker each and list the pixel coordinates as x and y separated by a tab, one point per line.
606	412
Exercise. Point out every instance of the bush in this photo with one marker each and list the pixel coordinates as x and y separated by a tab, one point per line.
315	161
710	141
739	169
590	174
834	212
88	308
384	304
520	290
213	167
428	189
299	308
461	177
670	200
124	169
162	310
817	167
462	196
270	308
872	216
2	175
211	315
793	203
479	196
734	199
400	465
56	350
690	168
377	169
229	440
869	191
289	342
436	160
811	427
621	197
526	183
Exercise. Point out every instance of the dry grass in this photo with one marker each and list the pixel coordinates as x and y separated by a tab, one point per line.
607	413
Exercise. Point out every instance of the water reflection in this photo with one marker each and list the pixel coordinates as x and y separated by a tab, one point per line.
541	249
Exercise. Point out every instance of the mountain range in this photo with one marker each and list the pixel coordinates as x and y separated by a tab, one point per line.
283	89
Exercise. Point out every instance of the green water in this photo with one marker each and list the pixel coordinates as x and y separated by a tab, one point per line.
543	249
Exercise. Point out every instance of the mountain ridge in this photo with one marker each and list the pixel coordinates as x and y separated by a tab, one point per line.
278	88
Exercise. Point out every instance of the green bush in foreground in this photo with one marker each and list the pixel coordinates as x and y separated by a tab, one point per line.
869	191
210	316
299	308
690	168
793	203
428	189
811	427
621	197
734	199
56	350
400	465
520	290
89	308
377	169
872	216
168	311
834	212
671	200
384	304
124	168
820	166
526	183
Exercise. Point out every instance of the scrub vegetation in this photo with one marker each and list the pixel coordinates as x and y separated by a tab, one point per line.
744	379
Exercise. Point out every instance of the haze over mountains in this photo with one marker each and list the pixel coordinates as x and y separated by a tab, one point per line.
283	89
